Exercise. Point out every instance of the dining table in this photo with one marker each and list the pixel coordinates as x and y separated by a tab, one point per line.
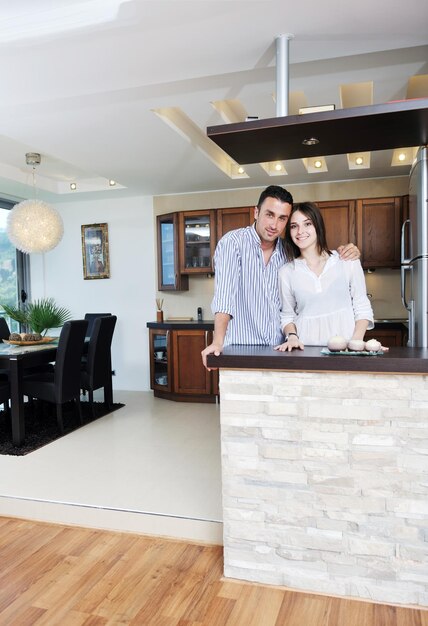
14	359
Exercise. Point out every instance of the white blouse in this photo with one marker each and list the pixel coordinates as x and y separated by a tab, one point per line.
326	305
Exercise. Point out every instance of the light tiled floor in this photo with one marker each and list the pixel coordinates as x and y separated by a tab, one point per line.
153	458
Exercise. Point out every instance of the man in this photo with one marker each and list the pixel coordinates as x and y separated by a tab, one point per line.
246	302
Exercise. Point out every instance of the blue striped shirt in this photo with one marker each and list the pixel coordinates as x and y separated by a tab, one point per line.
247	289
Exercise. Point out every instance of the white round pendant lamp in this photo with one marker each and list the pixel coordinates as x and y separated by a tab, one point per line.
33	226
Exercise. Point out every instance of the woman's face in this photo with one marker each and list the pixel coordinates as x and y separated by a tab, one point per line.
302	231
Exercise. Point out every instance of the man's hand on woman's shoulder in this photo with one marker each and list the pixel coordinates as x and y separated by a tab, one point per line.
350	252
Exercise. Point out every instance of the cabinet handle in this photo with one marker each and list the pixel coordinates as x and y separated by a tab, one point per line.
206	338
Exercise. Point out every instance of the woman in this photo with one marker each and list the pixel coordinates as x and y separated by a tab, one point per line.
321	295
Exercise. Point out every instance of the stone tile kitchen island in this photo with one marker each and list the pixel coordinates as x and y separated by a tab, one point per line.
325	471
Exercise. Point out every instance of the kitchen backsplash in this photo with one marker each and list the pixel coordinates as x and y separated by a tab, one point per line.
383	285
186	303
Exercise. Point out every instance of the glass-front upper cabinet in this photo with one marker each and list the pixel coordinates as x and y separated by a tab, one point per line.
169	276
197	229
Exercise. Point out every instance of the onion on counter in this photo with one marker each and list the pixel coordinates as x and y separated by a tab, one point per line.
337	343
356	345
373	345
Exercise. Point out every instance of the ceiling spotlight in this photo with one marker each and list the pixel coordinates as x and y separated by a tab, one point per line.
112	182
278	167
312	141
73	186
358	160
404	156
33	158
241	170
315	165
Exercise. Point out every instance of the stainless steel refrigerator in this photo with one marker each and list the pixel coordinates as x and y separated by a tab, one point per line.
414	253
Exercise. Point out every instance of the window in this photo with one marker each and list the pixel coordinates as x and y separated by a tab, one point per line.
14	267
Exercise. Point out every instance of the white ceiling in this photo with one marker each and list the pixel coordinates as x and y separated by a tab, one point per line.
80	79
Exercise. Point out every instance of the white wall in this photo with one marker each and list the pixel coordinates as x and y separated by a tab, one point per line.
130	291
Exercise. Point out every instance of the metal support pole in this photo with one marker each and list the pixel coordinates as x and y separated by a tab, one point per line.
282	74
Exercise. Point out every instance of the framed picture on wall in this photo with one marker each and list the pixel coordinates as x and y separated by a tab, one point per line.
95	251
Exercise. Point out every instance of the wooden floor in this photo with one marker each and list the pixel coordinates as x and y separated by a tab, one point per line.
66	576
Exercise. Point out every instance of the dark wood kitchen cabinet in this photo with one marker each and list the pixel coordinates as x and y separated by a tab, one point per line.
160	360
169	276
197	241
378	223
373	224
176	370
236	217
190	377
391	335
388	338
339	220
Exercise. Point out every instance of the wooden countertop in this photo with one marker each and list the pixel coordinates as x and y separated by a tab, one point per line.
182	325
396	360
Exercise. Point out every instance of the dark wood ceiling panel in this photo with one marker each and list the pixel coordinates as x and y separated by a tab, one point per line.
377	127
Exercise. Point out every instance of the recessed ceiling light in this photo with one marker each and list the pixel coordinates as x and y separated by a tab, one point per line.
241	170
315	165
112	182
274	168
312	141
73	186
358	160
404	156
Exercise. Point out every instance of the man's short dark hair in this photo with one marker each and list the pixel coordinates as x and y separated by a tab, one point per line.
274	191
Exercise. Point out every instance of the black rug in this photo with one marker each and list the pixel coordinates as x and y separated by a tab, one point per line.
41	426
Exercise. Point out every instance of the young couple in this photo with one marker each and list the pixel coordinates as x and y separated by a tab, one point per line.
265	287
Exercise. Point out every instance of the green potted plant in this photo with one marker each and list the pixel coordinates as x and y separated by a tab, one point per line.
39	316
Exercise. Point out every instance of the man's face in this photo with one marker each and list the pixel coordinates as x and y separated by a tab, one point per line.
271	219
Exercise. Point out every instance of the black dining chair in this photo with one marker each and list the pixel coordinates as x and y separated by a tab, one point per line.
63	383
90	318
96	370
4	329
4	334
5	395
